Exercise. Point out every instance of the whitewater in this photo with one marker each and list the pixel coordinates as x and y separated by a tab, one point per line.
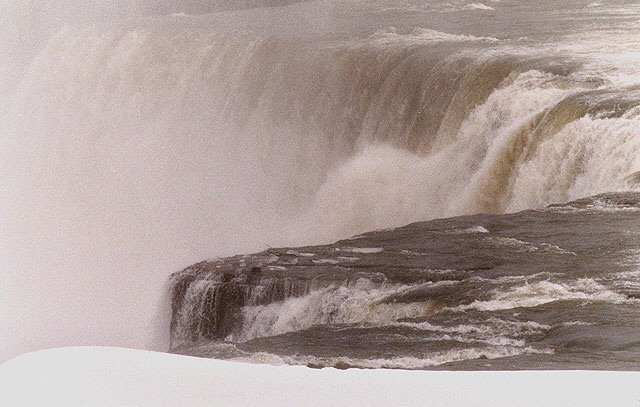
146	147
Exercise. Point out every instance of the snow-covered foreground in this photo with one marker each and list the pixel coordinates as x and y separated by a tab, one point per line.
100	376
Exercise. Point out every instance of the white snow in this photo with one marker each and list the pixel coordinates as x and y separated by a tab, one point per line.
100	376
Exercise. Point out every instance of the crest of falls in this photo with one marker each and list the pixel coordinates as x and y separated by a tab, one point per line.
136	144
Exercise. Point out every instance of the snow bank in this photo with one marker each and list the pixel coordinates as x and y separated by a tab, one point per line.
100	376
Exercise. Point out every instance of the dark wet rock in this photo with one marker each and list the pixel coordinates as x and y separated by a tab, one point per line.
315	366
342	366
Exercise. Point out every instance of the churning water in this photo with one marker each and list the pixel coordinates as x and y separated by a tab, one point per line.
554	288
138	137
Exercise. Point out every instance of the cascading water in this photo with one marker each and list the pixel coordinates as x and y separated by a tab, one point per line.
138	137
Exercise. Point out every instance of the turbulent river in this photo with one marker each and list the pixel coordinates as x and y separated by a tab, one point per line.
554	288
138	137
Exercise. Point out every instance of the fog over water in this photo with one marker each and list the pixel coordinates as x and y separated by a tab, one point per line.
138	137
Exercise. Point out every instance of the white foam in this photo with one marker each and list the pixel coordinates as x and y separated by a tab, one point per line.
632	257
390	36
493	332
514	243
489	327
523	246
412	253
366	250
534	294
424	362
612	56
576	323
478	6
473	229
301	254
579	172
608	206
362	301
